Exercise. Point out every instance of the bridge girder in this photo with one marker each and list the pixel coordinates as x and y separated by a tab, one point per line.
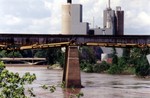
21	42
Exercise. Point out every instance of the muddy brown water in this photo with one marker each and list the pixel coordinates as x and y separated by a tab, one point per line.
95	85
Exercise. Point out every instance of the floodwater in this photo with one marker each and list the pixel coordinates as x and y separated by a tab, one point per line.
95	85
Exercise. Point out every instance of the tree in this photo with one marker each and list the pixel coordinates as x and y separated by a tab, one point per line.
3	53
135	55
15	54
143	67
102	67
114	56
26	53
52	55
41	53
126	54
87	55
118	67
139	60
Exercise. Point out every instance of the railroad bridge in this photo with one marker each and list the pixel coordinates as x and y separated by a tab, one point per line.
33	41
71	74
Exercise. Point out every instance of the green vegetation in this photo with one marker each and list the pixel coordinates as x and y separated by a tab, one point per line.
53	55
102	67
87	55
114	68
88	61
118	64
86	67
114	56
143	67
140	62
133	61
119	67
12	84
10	54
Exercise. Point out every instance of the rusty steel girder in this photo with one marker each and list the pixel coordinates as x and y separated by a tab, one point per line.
31	41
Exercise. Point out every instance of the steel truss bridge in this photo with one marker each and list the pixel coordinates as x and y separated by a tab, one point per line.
36	41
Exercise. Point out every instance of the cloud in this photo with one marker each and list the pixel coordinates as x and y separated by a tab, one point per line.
25	8
44	16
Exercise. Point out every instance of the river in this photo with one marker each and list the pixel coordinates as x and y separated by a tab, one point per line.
95	85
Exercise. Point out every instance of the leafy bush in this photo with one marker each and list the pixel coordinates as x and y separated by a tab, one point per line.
12	85
16	54
115	69
129	70
143	68
88	68
119	67
83	64
98	68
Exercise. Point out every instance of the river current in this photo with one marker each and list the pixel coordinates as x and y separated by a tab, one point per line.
95	85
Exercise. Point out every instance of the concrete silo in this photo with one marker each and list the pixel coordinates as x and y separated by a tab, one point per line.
66	19
72	19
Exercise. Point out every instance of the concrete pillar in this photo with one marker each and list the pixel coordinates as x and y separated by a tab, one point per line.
65	66
72	77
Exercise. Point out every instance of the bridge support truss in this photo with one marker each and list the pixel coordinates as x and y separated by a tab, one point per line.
71	75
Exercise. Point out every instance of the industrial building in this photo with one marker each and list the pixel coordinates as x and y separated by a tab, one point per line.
72	19
113	21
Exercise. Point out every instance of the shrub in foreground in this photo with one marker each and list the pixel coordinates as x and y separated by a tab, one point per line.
143	68
12	85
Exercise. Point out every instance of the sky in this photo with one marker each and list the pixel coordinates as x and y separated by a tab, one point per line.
44	16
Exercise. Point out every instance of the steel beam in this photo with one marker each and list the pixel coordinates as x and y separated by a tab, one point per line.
16	41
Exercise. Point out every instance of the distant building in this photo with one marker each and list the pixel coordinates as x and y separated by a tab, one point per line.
148	58
72	20
113	21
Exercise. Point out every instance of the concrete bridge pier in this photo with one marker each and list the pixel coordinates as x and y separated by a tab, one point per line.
71	74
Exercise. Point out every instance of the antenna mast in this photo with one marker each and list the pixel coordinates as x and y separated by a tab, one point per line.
69	1
109	4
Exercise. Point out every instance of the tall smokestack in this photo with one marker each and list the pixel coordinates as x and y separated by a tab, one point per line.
69	1
119	21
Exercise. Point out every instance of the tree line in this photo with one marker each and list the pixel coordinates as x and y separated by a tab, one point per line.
133	60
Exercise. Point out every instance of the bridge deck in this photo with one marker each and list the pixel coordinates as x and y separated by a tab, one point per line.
29	41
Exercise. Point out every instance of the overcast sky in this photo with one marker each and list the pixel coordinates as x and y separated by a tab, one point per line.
44	16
